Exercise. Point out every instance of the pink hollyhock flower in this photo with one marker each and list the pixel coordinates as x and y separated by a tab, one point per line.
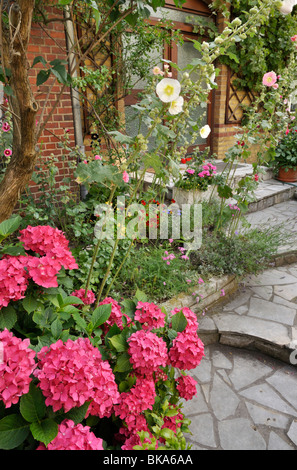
269	79
157	71
16	367
73	373
73	437
186	387
7	152
187	351
116	316
126	177
87	300
191	172
149	315
256	177
294	38
5	127
13	279
98	157
192	325
148	352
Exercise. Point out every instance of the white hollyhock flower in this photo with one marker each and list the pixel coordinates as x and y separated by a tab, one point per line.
205	131
176	106
212	81
168	90
287	6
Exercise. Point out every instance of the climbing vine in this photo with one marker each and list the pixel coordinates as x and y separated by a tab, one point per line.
267	48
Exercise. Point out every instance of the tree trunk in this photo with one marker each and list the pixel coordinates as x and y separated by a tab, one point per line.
21	166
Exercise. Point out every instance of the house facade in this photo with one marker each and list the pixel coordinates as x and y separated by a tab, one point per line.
223	111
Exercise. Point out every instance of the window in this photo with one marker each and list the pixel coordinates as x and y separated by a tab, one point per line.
181	54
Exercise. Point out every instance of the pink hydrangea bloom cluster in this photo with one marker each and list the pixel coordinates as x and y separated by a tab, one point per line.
16	368
134	440
73	373
147	352
52	245
87	300
42	239
116	314
186	387
15	272
149	315
187	351
13	279
139	398
73	437
192	325
173	422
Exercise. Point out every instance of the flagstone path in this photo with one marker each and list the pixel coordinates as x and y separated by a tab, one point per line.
247	382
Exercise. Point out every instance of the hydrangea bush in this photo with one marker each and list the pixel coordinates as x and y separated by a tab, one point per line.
76	377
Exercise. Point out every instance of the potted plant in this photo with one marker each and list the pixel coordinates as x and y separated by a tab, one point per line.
196	182
285	160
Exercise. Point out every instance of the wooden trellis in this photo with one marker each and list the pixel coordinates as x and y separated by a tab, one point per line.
235	101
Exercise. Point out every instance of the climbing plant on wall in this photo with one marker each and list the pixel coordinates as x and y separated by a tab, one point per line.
266	49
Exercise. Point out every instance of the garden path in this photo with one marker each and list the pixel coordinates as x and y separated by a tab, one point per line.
247	381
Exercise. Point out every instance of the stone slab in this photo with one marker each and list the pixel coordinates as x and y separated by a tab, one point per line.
257	328
266	310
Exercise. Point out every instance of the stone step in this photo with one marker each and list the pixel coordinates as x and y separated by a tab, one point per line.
271	192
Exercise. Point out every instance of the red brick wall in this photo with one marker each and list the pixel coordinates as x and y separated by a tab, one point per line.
50	42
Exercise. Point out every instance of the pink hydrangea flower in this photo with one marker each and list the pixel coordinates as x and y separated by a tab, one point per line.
87	300
187	351
192	325
52	244
116	314
149	315
173	422
139	398
42	239
43	271
73	437
186	387
16	368
73	373
269	79
148	352
13	279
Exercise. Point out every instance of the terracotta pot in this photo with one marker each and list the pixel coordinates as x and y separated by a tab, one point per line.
288	176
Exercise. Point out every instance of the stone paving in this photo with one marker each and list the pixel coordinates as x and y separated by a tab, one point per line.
245	401
247	383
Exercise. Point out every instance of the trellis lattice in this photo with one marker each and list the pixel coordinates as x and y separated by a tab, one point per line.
236	100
